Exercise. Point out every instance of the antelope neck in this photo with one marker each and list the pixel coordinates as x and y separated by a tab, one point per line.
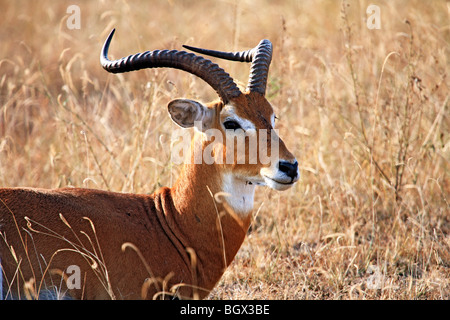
208	223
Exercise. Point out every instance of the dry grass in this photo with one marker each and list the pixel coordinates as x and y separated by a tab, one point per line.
365	112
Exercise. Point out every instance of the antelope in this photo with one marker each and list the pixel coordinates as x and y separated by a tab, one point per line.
176	242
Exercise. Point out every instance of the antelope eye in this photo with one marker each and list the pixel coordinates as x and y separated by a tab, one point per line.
231	125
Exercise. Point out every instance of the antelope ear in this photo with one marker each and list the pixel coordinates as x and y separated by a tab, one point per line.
189	113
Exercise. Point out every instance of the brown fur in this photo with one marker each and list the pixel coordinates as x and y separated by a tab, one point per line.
183	235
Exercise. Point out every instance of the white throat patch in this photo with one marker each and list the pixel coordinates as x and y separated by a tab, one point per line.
239	194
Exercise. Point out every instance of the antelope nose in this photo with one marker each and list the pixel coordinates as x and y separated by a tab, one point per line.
290	169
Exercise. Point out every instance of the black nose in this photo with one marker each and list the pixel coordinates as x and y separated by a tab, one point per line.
289	168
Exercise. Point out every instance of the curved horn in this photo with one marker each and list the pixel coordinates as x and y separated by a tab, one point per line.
203	68
260	56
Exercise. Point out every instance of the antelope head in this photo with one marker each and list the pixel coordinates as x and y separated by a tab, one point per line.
237	114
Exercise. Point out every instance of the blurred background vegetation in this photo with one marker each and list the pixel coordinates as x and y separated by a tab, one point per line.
364	111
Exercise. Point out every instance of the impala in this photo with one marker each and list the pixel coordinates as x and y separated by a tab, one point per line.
175	242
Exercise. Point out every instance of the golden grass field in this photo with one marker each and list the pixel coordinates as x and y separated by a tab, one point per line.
366	113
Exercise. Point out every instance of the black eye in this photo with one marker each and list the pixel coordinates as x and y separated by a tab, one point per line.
231	125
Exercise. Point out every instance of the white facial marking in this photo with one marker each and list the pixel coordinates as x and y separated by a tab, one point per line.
229	113
241	189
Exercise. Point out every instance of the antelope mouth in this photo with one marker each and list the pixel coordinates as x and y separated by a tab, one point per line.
279	184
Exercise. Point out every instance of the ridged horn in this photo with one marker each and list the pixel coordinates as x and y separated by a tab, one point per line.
260	56
203	68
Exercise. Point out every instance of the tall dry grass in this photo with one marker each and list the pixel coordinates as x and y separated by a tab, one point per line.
365	112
